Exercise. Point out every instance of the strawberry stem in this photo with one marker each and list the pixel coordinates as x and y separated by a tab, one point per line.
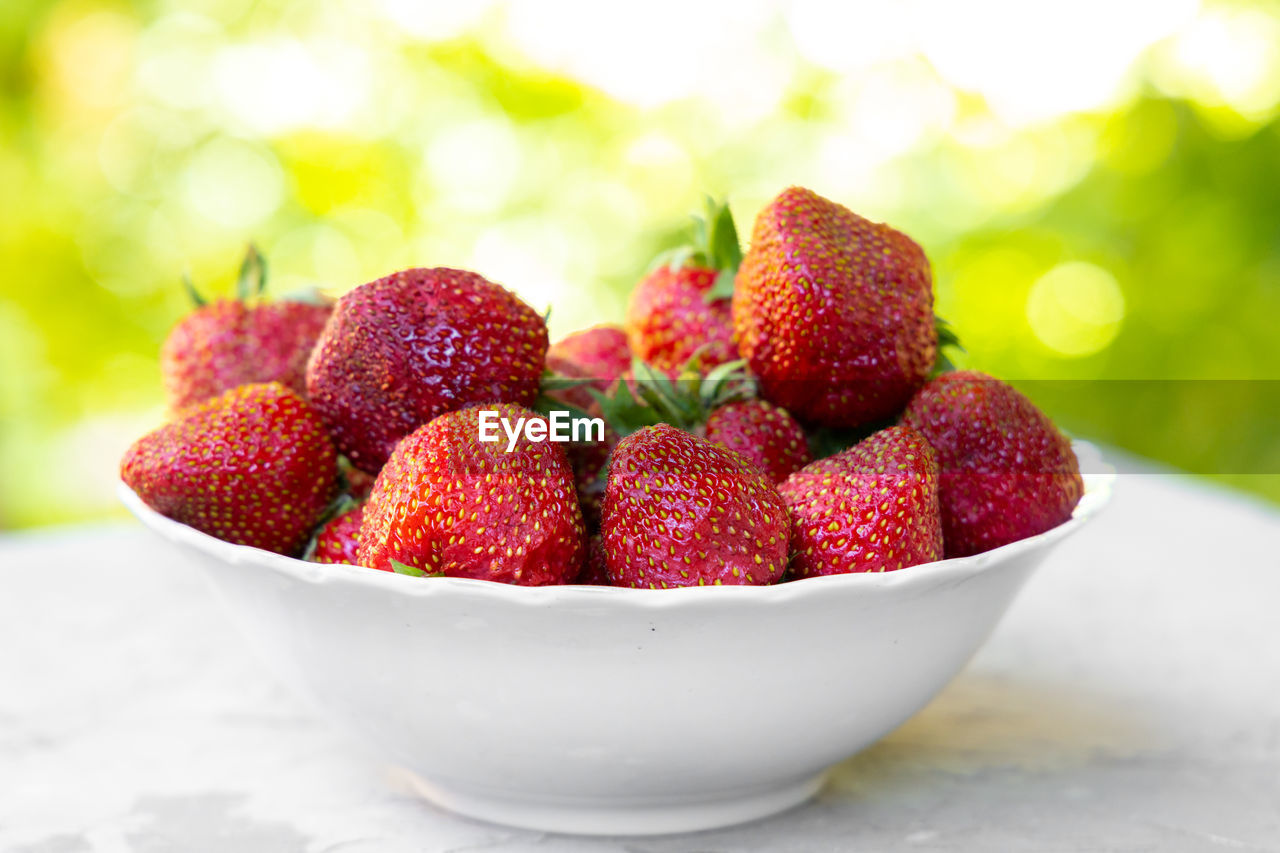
198	300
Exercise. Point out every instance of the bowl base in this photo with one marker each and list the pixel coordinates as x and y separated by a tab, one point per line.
638	817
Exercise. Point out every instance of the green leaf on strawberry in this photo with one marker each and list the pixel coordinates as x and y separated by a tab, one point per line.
413	571
252	280
947	339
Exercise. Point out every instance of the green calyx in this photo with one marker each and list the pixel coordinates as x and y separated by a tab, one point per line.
413	571
251	281
685	401
546	403
712	244
947	340
189	286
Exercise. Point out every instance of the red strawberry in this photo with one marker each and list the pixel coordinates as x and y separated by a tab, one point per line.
339	539
600	353
833	313
595	571
403	349
871	508
765	434
682	307
681	511
448	503
669	320
252	466
233	342
1007	472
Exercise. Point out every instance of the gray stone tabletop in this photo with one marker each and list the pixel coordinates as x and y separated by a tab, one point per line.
1129	701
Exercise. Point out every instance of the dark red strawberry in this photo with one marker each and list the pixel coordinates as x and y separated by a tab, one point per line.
233	342
401	350
871	508
833	312
252	466
448	503
765	434
681	511
339	539
682	307
1007	472
595	571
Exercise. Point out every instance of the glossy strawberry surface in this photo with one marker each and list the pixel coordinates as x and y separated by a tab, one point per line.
228	343
764	434
833	312
401	350
682	511
1007	472
252	466
447	503
871	508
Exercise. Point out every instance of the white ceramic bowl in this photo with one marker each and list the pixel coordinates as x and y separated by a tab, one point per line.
617	711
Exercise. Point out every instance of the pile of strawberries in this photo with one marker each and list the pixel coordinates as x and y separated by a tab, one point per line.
349	431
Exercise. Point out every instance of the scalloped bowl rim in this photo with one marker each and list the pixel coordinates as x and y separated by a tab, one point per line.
1098	487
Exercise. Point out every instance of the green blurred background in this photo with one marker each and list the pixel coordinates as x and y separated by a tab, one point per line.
1097	184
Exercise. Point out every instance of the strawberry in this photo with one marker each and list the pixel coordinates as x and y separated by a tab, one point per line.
681	511
232	342
682	306
1007	472
599	353
339	538
401	350
871	508
765	434
592	358
833	313
448	503
252	466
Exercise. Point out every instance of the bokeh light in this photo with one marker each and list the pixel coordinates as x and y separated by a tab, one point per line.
1075	309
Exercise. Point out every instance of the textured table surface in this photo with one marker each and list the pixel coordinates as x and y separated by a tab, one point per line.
1129	701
